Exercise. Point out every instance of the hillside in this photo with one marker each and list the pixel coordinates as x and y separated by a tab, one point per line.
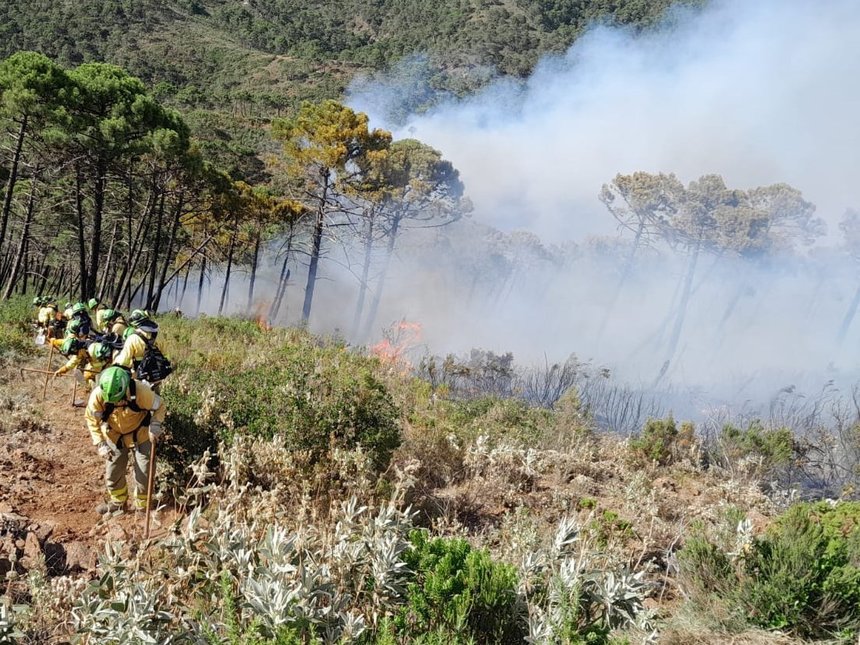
264	55
309	491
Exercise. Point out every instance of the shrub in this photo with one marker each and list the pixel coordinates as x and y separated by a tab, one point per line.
773	449
459	594
233	379
802	575
662	442
16	332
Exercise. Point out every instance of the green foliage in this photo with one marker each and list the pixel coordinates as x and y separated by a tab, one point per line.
234	379
662	442
802	575
609	527
16	334
776	448
459	594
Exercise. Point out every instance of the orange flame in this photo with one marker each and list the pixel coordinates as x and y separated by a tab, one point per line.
397	340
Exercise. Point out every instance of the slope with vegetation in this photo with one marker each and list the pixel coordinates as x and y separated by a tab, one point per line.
328	496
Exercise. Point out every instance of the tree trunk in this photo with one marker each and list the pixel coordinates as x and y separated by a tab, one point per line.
184	288
282	279
365	273
377	295
675	338
96	245
849	316
200	285
108	263
254	261
226	288
168	257
319	227
22	245
13	178
26	275
156	246
82	249
622	280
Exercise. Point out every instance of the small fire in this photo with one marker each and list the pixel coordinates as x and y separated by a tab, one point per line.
398	339
260	317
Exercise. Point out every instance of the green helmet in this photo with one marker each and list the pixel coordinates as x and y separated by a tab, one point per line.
110	314
37	301
93	303
114	383
69	346
75	326
100	351
136	317
78	307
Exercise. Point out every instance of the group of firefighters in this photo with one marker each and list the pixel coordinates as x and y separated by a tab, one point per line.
123	369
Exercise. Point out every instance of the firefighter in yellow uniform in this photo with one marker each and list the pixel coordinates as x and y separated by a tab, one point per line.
47	313
144	331
123	415
97	311
113	323
90	360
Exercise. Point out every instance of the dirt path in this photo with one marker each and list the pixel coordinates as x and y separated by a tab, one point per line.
50	472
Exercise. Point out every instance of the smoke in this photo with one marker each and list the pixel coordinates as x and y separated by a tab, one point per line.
759	92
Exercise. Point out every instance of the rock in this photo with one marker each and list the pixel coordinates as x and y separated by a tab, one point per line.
80	557
43	531
32	552
117	533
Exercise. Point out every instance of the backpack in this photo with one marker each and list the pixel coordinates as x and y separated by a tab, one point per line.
154	366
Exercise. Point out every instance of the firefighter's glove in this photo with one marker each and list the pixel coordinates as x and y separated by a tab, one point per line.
106	451
155	429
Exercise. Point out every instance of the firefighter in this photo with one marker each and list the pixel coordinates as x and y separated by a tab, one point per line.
113	323
91	360
143	330
123	417
97	312
47	313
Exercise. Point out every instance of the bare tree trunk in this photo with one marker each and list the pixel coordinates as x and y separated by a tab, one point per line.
200	285
174	229
153	268
319	227
849	316
96	245
365	273
226	288
622	280
283	279
683	306
13	178
22	245
377	295
82	249
254	261
108	263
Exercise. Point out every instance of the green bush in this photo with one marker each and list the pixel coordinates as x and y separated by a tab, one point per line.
233	379
459	595
16	332
662	442
802	575
776	448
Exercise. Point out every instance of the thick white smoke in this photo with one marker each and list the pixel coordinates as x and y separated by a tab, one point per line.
759	91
